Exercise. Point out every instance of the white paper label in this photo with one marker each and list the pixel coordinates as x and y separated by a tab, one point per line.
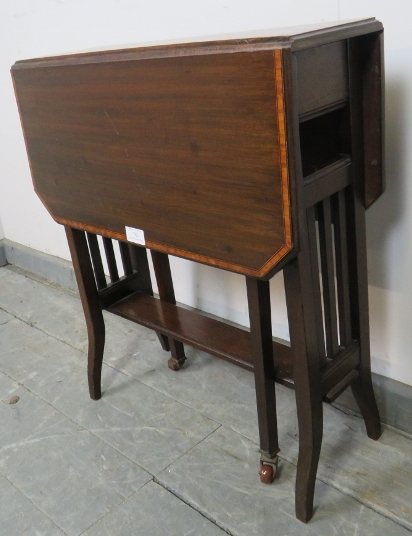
135	235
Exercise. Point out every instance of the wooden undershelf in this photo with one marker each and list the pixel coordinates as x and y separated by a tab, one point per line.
212	336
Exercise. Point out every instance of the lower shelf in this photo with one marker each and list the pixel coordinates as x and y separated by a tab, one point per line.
208	334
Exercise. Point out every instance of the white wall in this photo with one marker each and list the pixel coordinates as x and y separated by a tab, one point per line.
47	27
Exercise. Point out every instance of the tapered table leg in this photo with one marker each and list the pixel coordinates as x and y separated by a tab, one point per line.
306	372
360	99
91	307
262	352
362	387
166	292
140	263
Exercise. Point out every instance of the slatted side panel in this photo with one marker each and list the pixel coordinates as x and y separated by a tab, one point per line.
327	228
115	258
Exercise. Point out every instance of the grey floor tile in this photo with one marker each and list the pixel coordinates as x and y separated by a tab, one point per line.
219	478
27	352
205	383
153	511
69	474
379	473
207	391
145	425
28	420
226	393
5	316
19	517
74	478
43	306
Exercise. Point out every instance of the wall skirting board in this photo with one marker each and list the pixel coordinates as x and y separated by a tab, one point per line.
394	398
53	269
3	258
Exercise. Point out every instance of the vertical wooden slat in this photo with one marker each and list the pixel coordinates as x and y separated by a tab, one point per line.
96	260
328	278
317	305
264	370
125	254
111	259
139	262
342	275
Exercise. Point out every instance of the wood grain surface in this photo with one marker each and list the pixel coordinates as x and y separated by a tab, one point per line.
189	149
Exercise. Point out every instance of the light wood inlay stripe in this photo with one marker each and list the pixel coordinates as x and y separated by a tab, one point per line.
281	115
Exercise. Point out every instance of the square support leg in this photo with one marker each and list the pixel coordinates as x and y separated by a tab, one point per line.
264	371
166	292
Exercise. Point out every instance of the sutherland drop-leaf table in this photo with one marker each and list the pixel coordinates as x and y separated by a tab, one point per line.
253	154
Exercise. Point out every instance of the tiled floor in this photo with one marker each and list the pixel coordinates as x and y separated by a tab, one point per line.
164	453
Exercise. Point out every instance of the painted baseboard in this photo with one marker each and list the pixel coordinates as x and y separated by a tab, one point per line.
394	398
3	258
53	269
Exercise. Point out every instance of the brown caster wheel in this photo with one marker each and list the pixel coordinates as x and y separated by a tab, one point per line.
174	365
268	472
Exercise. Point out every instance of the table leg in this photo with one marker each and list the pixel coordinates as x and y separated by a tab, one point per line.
166	292
140	263
264	371
91	307
299	299
362	387
363	142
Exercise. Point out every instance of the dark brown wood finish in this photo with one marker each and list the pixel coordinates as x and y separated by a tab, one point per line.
299	277
327	181
80	140
206	333
253	155
299	298
358	273
373	90
164	280
262	351
140	263
91	307
322	88
106	139
126	259
346	361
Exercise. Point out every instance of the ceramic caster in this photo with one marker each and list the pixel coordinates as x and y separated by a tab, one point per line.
268	471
